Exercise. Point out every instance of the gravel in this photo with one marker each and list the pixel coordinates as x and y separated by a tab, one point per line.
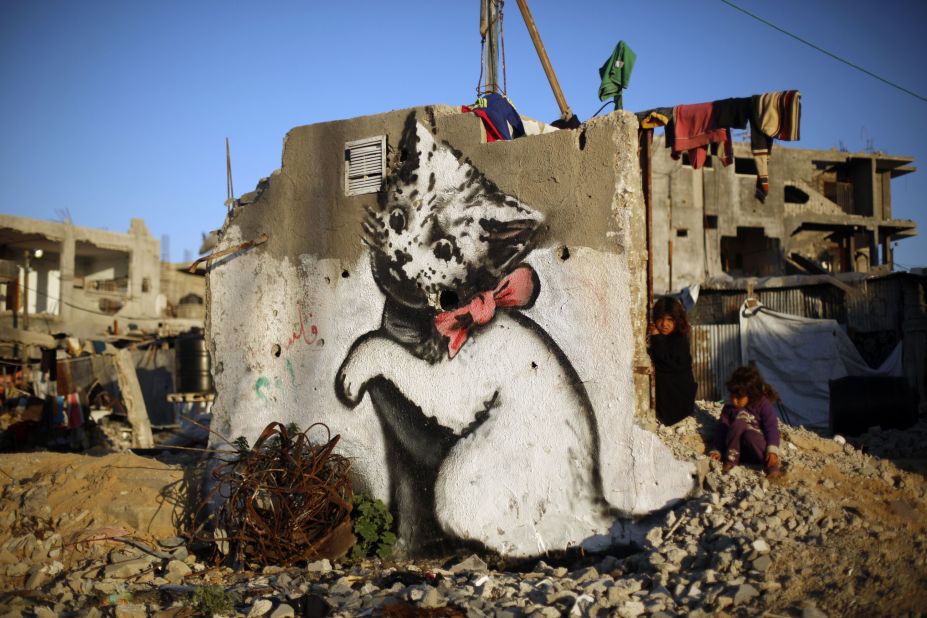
740	544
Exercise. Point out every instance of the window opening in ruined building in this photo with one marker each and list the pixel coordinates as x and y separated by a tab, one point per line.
794	195
744	165
841	193
711	222
682	232
146	284
99	270
751	253
364	165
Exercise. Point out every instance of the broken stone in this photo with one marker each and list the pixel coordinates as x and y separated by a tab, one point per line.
745	593
172	542
176	571
283	611
761	546
631	609
431	598
260	607
471	563
762	563
654	536
128	568
319	566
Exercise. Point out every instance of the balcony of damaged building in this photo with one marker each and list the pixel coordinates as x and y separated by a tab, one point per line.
101	344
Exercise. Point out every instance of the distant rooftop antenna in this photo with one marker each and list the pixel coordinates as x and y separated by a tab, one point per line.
230	201
63	214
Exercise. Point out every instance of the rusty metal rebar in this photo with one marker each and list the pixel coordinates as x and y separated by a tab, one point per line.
283	501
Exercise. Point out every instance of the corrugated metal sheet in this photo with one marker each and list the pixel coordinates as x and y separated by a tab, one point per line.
817	301
715	354
876	305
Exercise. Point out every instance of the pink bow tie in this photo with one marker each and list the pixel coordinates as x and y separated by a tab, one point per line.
514	290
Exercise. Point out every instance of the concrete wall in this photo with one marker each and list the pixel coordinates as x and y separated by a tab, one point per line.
526	437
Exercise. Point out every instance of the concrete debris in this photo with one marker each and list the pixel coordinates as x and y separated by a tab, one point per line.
741	545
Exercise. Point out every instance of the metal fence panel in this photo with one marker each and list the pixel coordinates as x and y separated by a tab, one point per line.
715	354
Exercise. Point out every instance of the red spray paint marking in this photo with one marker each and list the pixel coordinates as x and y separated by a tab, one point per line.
301	333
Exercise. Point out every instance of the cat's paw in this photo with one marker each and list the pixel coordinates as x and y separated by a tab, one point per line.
355	371
348	389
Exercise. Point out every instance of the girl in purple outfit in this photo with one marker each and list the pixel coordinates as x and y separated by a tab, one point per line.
748	429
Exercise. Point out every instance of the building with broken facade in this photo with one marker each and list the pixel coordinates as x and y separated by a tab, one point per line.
86	282
827	211
103	313
819	247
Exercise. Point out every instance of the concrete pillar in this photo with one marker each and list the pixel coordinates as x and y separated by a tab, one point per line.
67	255
133	400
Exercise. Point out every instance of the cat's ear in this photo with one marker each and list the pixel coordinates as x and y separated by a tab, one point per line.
415	142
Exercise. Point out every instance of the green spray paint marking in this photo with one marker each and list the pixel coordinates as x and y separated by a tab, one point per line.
261	383
289	370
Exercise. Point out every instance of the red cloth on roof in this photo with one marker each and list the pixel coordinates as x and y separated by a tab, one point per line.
492	133
694	131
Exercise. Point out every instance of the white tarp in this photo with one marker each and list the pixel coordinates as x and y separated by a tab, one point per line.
799	356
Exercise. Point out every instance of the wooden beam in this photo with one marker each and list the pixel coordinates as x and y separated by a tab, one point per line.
132	398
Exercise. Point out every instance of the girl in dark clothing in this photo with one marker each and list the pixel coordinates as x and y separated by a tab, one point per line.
672	361
748	429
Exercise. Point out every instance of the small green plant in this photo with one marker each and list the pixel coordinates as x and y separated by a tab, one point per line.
211	600
372	527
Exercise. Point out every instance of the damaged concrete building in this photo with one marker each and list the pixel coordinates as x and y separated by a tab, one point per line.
103	313
86	282
470	317
827	211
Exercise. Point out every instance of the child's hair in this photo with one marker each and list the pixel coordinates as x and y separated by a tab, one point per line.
667	305
747	381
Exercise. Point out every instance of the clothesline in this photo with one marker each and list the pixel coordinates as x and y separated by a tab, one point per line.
694	128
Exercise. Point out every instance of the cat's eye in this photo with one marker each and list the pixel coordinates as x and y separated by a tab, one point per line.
443	250
397	220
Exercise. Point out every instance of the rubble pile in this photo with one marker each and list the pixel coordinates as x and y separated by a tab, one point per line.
842	534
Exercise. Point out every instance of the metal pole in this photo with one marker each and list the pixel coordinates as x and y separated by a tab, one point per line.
26	293
565	112
489	30
645	141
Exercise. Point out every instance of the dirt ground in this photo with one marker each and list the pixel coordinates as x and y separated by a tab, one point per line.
870	495
870	559
74	502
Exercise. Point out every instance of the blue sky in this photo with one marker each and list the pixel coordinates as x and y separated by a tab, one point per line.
120	109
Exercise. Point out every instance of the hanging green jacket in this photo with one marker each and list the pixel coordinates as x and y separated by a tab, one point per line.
616	73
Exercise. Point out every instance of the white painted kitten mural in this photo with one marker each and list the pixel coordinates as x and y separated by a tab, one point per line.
491	438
